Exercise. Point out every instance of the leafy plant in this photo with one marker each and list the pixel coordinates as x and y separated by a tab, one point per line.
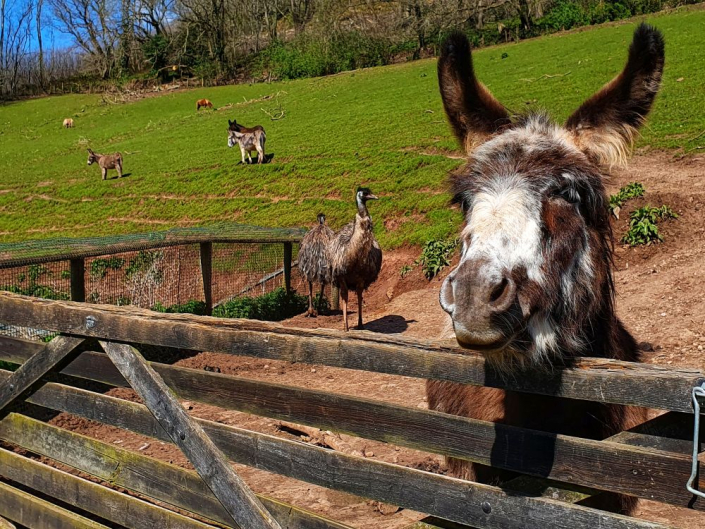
405	270
36	271
274	306
632	190
143	262
435	256
100	266
66	274
643	225
190	307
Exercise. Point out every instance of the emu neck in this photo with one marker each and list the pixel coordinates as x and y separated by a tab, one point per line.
362	209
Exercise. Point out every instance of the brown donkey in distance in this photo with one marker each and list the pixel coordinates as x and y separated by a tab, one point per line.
534	283
106	161
203	103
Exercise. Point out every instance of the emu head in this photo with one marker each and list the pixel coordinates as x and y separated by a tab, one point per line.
321	218
534	278
92	157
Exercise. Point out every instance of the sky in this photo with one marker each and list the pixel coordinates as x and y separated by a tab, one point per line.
52	36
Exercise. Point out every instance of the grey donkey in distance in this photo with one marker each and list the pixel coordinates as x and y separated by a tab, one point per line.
106	161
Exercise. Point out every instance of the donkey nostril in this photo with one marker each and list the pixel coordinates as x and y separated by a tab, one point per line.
499	290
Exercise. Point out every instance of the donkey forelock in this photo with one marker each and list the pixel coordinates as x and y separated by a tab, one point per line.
534	279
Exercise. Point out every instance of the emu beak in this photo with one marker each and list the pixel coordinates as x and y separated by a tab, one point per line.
372	197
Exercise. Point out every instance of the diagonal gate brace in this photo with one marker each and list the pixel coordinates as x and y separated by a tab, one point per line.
236	497
36	367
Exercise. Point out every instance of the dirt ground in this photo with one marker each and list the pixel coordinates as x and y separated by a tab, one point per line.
660	297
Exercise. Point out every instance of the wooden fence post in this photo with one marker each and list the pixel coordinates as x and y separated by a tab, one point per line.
288	252
236	497
78	281
207	273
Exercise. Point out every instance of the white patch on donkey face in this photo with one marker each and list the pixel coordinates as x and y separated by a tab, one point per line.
504	228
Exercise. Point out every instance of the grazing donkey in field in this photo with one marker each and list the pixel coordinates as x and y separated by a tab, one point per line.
203	103
534	284
68	123
106	161
249	139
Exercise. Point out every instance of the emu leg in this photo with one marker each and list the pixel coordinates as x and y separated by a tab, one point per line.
344	300
310	311
320	298
359	308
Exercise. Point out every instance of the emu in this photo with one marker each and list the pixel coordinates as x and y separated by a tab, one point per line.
249	139
203	103
68	123
534	284
313	259
355	255
105	162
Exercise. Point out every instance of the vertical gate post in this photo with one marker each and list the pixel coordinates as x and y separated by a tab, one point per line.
335	294
288	252
207	273
78	280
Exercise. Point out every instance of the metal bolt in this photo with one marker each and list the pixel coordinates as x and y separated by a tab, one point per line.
486	507
90	322
12	386
182	435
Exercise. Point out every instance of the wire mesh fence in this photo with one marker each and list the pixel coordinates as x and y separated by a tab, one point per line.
153	271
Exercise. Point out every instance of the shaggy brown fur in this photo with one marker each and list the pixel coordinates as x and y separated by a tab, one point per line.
534	286
68	123
203	103
313	259
355	256
105	162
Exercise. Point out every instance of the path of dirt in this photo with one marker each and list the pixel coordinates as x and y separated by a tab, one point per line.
660	297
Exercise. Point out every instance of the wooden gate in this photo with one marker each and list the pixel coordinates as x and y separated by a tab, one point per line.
100	344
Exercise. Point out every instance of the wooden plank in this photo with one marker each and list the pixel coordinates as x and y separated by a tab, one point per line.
36	367
206	252
20	254
649	474
442	496
35	513
210	463
106	503
138	473
78	280
592	379
288	252
5	524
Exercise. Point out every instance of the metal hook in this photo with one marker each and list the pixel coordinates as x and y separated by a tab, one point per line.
698	393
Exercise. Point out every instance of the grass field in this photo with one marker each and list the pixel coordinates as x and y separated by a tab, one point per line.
381	127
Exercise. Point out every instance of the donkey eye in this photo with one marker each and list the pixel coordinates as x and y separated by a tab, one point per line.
569	194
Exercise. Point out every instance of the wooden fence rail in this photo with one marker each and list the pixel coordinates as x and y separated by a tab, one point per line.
649	462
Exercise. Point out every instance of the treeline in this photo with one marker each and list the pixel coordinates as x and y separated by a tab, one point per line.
218	41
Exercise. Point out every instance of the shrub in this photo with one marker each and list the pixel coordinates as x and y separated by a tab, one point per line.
563	15
632	190
643	228
274	306
435	256
100	267
190	307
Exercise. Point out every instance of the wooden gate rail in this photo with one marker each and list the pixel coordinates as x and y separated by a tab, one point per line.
593	379
141	474
603	465
442	496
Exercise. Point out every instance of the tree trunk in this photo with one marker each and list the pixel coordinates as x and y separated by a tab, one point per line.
42	76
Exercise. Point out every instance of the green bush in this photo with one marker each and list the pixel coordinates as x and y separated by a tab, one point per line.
100	266
190	307
564	15
632	190
273	306
643	228
435	256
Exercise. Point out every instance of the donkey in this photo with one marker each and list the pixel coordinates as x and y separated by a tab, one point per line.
106	161
249	139
204	103
534	284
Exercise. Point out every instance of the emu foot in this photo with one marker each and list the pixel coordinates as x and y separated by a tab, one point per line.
310	314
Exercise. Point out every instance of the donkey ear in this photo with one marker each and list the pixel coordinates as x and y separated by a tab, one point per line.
472	110
605	125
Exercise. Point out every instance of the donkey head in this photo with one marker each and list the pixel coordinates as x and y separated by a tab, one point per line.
233	138
233	126
92	157
534	278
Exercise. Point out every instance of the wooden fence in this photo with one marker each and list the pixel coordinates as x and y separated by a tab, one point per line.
100	343
77	251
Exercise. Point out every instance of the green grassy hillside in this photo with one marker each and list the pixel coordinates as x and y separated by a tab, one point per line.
381	127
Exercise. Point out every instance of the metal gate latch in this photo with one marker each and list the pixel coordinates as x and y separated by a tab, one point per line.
698	398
